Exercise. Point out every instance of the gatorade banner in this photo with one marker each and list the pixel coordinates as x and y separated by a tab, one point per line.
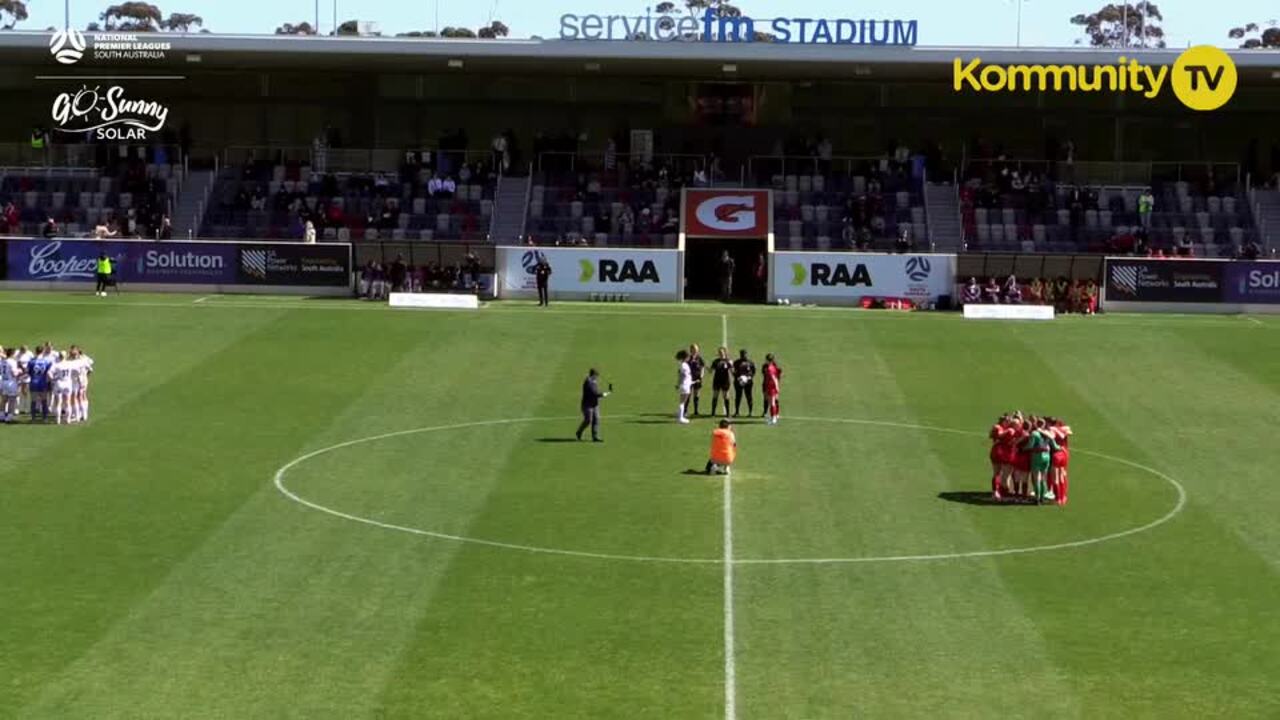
727	213
845	278
581	272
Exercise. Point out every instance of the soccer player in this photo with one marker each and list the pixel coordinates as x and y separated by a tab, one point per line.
591	395
60	376
1061	432
721	380
744	373
84	368
684	384
772	373
1001	469
38	370
697	366
724	448
1040	446
9	381
24	357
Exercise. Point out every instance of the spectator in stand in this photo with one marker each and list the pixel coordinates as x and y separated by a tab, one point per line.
334	216
991	292
671	224
50	228
166	229
626	223
1250	251
903	244
972	293
499	153
308	231
1140	246
699	178
259	199
1185	248
848	233
1012	291
1146	203
10	220
448	188
399	271
104	231
864	239
435	186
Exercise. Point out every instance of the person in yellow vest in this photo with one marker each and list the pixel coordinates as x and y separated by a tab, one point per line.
104	274
724	448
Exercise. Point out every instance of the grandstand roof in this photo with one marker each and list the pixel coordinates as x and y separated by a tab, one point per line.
756	60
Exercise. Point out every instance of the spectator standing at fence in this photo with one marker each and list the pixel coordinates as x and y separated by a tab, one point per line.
399	271
1146	203
308	231
499	153
542	275
50	228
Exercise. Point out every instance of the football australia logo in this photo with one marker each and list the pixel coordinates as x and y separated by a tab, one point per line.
67	46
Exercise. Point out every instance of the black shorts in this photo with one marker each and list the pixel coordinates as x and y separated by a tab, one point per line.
697	384
724	385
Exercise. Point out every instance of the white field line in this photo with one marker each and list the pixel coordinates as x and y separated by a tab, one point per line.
200	299
1254	320
730	662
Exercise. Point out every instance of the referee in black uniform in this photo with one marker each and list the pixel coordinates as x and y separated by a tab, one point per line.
542	274
591	395
744	383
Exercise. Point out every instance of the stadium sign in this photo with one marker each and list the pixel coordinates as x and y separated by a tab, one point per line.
1164	281
1252	283
726	213
714	28
109	115
582	272
223	264
845	278
70	46
1203	77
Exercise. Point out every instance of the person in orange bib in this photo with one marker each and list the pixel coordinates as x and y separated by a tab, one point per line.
724	448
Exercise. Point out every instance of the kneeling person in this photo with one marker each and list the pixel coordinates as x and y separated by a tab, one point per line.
724	448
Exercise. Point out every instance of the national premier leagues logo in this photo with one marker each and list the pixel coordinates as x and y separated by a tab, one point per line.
918	269
67	46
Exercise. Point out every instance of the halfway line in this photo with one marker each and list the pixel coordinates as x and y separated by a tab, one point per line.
730	666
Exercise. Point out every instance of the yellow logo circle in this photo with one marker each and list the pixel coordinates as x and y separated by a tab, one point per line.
1204	78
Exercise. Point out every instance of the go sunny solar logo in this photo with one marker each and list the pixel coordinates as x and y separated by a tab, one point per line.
1203	77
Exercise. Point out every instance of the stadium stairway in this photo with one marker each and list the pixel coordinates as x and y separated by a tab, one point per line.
943	206
189	206
1266	212
511	207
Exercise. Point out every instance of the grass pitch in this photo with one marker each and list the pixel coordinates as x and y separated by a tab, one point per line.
151	567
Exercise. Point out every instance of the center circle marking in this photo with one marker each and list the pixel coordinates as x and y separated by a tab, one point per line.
279	482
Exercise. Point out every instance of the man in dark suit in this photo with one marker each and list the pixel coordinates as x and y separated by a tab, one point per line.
542	274
591	395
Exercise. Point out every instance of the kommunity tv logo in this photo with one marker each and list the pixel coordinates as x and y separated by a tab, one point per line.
1203	77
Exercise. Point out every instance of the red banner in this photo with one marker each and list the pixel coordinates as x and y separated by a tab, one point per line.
727	213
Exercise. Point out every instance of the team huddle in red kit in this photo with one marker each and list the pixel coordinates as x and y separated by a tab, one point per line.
1029	458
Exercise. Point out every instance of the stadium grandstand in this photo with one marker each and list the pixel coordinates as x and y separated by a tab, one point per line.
860	142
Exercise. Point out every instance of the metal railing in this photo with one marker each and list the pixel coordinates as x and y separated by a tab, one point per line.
847	165
1122	173
588	162
337	160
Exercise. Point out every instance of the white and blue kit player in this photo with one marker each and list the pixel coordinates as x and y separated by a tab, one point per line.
38	373
9	376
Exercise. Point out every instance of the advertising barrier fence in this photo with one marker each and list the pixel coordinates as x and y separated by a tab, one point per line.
846	278
1170	285
580	273
215	266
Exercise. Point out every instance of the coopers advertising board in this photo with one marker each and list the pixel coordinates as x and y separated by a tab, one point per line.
845	278
170	263
578	272
224	265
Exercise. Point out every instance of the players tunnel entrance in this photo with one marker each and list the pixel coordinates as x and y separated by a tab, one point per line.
705	269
